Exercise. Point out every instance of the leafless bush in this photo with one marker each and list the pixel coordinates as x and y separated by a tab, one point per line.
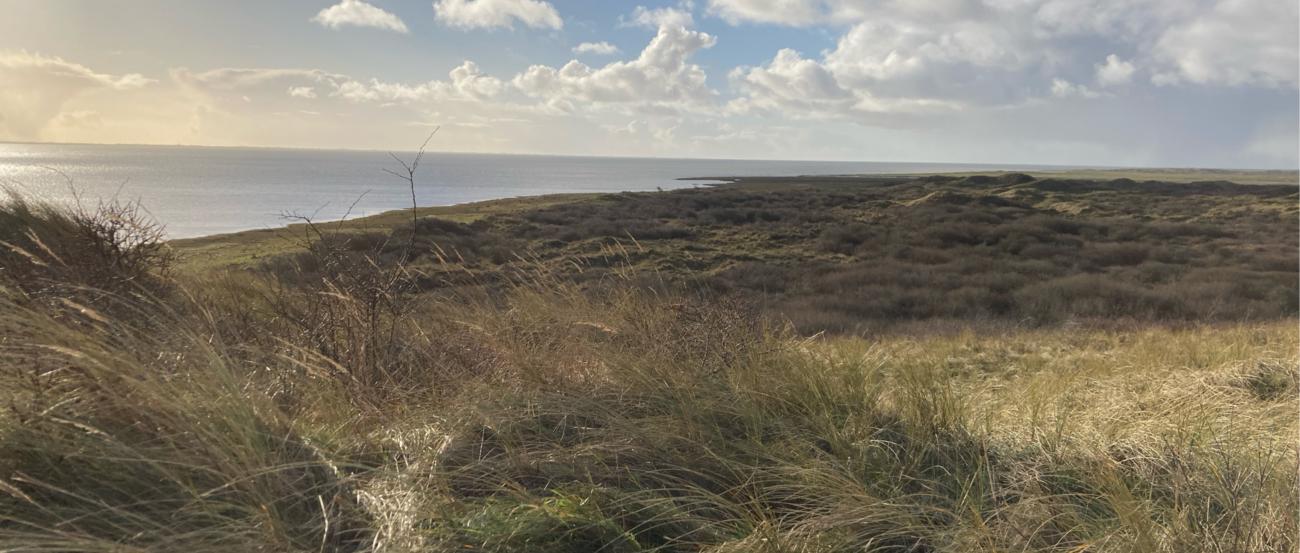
84	253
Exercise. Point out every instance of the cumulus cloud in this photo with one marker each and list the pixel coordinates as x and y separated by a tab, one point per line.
1115	71
1062	88
790	82
654	18
995	50
486	14
356	13
1237	42
467	82
37	87
898	65
888	49
599	48
305	92
786	12
1051	16
793	86
957	80
1123	19
917	55
661	75
940	56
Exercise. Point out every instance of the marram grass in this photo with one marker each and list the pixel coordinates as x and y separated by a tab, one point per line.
345	413
618	425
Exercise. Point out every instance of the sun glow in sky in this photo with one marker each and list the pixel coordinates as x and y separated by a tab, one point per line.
1101	82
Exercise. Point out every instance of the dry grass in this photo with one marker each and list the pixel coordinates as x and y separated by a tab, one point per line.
334	410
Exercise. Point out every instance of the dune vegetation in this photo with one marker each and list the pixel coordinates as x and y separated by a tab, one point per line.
901	365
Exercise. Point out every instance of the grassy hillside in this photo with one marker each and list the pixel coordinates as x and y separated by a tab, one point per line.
1015	364
864	254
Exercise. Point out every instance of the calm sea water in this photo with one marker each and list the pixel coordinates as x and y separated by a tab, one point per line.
198	191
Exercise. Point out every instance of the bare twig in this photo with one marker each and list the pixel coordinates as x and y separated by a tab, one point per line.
409	177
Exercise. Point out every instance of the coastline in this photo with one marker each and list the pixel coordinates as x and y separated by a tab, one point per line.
242	248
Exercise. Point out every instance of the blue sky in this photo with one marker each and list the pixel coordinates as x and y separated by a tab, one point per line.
1120	82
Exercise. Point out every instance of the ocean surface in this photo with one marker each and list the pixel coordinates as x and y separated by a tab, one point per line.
196	191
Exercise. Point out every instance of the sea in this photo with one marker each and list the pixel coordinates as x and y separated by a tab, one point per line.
197	191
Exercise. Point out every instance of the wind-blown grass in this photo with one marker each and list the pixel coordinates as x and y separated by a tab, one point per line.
346	414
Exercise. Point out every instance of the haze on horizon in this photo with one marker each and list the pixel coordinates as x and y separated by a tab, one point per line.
1205	83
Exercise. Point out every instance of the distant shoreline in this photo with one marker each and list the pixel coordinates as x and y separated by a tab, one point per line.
252	244
1250	177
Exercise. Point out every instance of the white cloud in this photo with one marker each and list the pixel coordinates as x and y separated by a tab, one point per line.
885	50
56	67
305	92
467	83
1050	16
239	78
1237	42
1216	42
654	18
798	13
804	13
598	48
131	81
37	87
661	75
357	13
959	80
790	82
792	86
917	55
1115	71
486	14
1124	18
1062	88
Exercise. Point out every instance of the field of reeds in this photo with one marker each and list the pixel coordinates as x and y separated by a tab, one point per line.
438	387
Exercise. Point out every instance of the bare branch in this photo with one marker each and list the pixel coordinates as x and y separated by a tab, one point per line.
409	177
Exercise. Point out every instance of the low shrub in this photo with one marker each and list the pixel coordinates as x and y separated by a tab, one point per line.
1092	296
1121	254
82	254
844	239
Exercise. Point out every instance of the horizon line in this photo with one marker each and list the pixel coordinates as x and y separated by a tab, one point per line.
991	165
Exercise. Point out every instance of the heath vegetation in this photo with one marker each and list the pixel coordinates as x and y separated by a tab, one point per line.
802	365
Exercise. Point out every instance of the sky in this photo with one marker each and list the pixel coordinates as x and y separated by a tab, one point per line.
1168	83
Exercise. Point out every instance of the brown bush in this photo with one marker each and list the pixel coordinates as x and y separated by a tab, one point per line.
49	253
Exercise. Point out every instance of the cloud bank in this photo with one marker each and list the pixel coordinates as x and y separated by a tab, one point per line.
1150	82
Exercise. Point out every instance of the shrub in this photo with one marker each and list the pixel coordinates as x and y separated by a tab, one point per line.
756	276
1107	255
50	252
844	239
1093	296
956	234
